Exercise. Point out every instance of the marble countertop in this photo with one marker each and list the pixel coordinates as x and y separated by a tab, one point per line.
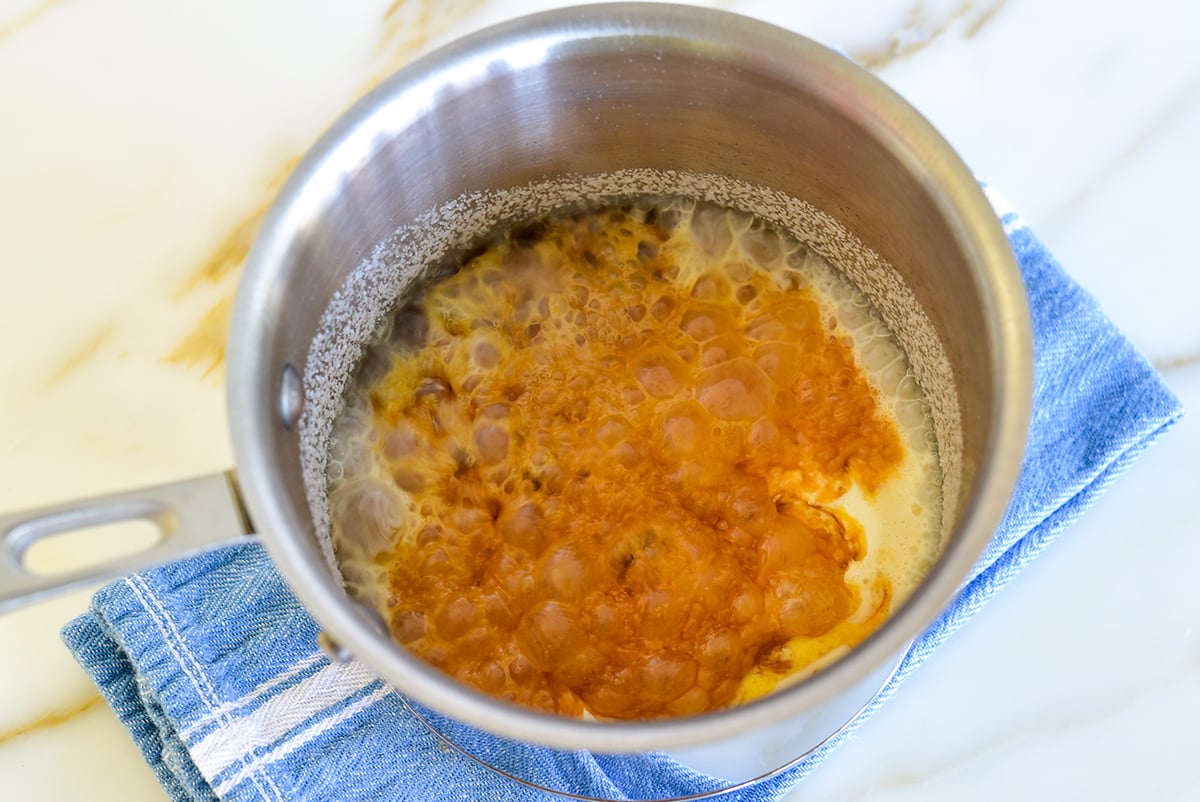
140	142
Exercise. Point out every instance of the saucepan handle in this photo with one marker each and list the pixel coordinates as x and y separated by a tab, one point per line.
191	516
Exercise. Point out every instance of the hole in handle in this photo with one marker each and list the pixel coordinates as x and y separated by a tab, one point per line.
89	547
86	535
63	546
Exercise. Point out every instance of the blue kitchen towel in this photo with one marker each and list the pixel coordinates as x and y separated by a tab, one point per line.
212	664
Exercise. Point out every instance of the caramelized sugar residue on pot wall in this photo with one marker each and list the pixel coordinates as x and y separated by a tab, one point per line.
599	468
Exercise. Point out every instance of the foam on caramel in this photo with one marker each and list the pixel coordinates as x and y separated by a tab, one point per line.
635	462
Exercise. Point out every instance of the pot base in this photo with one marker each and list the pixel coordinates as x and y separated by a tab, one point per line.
735	763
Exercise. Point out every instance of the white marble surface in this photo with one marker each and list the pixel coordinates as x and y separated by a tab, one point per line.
139	141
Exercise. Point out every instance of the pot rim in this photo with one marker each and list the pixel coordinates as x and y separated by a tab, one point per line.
253	411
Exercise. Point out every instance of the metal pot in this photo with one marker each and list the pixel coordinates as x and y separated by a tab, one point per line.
562	96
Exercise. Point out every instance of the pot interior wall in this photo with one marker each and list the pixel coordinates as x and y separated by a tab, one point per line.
496	130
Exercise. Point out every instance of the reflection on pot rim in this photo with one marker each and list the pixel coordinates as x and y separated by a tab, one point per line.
620	78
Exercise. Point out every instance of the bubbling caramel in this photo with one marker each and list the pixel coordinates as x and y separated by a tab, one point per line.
606	468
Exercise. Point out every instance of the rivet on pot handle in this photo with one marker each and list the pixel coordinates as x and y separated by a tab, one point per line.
192	516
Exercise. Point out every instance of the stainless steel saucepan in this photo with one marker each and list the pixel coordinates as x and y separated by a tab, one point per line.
557	99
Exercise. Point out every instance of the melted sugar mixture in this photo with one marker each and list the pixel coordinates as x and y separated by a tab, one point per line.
635	462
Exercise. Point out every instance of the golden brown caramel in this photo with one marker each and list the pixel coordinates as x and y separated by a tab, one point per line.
621	442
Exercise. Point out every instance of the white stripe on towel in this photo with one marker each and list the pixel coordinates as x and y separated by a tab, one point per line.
277	717
292	744
235	704
184	658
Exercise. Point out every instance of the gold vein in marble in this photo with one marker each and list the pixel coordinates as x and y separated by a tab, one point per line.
50	720
982	21
408	26
231	251
921	30
1175	362
228	255
30	17
83	354
204	347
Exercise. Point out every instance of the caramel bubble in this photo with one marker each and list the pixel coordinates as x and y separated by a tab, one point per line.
661	374
523	526
666	677
492	442
816	600
703	322
734	390
687	429
456	617
550	632
565	574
